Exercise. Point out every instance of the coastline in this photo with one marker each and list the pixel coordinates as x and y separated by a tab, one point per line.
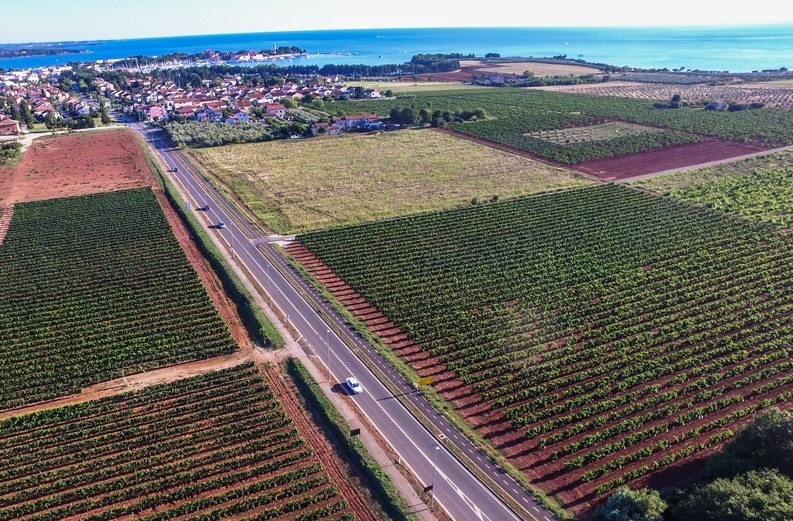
718	49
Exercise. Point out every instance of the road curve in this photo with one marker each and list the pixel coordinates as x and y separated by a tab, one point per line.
459	492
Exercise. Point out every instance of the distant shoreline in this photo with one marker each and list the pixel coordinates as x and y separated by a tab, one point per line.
730	49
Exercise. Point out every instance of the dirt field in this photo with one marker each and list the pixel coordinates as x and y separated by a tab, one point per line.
667	159
538	68
477	68
76	164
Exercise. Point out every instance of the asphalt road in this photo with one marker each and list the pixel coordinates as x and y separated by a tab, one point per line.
459	492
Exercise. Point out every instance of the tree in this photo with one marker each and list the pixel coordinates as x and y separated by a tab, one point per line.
753	496
27	115
289	103
424	117
407	117
766	443
389	93
632	505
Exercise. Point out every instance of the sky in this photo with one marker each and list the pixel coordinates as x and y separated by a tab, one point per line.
62	20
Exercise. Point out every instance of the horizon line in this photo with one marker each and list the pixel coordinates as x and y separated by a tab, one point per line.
293	31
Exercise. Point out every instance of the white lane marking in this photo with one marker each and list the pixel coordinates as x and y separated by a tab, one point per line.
195	183
479	514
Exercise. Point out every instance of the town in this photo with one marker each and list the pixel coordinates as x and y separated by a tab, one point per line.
47	98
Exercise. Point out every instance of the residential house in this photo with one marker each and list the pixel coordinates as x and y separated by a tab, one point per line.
275	109
323	127
8	126
185	112
239	117
363	121
156	113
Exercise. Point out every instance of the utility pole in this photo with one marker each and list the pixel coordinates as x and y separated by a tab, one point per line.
327	345
434	466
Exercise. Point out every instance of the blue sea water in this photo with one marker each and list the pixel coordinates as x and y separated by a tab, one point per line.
733	49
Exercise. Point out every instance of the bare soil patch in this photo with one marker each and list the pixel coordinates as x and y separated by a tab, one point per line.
469	68
654	161
538	68
76	164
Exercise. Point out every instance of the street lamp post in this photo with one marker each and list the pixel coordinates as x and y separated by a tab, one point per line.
434	466
327	345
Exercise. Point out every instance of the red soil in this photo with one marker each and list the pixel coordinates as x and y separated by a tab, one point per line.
654	161
76	164
650	162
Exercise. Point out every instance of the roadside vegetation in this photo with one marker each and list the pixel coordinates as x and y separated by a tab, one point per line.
364	469
759	188
309	184
10	153
95	287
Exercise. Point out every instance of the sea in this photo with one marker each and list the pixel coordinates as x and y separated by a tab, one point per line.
727	49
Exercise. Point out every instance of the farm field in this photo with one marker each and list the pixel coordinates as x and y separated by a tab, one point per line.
657	161
514	113
602	132
772	94
94	287
400	87
299	185
220	445
76	164
539	69
610	337
759	188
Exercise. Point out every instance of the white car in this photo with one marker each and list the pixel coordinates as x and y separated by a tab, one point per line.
354	385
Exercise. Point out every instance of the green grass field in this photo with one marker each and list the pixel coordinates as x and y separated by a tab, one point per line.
759	188
300	185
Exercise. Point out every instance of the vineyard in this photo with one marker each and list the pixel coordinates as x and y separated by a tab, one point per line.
514	113
597	336
759	188
769	94
602	132
95	287
208	447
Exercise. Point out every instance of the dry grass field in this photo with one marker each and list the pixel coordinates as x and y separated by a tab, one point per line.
402	87
299	185
538	68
